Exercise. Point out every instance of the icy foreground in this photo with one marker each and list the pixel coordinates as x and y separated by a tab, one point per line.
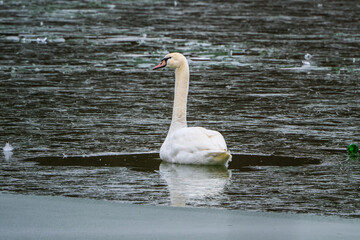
39	217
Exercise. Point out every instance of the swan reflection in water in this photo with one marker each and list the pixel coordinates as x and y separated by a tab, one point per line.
193	182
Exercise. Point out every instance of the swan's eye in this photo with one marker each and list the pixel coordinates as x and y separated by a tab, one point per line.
165	59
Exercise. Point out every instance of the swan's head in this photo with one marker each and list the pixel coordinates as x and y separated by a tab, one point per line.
171	60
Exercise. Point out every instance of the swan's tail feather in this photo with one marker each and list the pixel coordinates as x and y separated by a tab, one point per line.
220	157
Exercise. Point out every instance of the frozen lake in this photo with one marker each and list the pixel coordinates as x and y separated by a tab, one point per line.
275	78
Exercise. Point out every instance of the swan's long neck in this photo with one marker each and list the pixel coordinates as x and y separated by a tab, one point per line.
180	98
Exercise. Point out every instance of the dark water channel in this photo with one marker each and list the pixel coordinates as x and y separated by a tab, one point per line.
274	77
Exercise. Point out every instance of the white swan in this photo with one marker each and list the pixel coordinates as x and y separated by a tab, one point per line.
189	145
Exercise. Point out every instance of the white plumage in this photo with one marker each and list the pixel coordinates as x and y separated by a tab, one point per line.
195	145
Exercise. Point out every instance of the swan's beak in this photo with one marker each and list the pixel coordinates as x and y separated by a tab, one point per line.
161	65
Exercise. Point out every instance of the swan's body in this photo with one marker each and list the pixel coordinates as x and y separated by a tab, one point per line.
189	145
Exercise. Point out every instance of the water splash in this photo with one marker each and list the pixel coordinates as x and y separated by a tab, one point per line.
41	40
7	150
8	147
307	61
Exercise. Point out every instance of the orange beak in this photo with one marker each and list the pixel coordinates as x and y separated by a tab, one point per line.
161	65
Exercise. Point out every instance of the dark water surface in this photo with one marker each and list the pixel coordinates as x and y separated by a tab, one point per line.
274	77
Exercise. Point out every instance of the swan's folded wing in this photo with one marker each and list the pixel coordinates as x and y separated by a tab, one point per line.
216	138
195	145
199	139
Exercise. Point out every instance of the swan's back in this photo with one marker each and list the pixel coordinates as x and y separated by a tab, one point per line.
195	145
